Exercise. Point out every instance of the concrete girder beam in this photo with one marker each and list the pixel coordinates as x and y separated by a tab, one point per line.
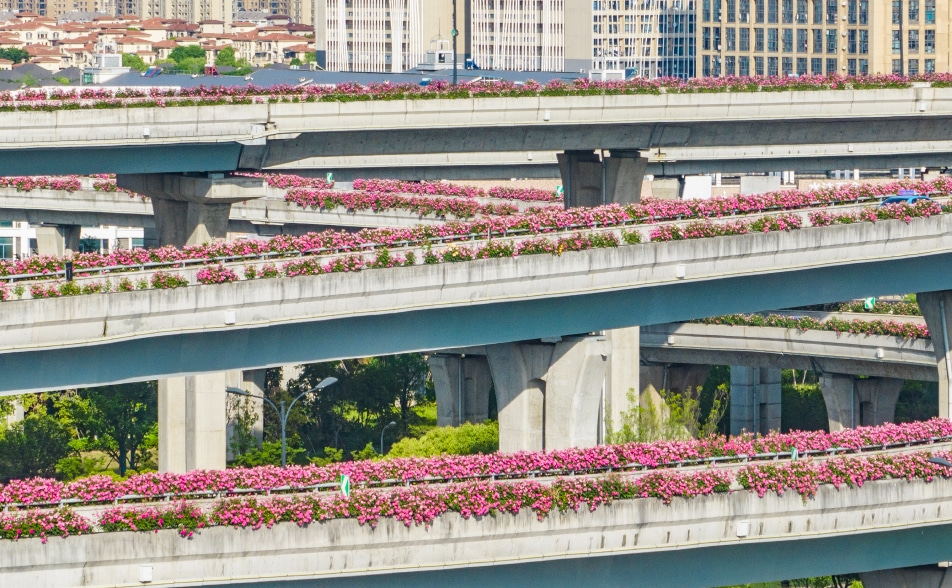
915	577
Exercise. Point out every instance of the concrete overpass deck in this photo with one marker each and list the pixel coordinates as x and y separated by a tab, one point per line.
250	324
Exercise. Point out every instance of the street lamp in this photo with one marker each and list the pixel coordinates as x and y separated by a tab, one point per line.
283	411
392	423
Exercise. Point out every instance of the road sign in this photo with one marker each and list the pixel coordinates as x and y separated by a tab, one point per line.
345	485
869	303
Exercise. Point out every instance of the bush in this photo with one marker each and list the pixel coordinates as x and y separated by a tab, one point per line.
33	447
467	439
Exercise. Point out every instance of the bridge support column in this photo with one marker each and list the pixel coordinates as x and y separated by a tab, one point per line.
192	421
668	188
549	396
674	377
192	209
591	179
57	239
461	381
937	310
624	373
755	400
859	402
252	381
915	577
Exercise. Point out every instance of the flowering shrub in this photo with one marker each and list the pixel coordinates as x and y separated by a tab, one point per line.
708	228
448	189
215	274
63	522
882	307
183	516
379	201
837	325
165	281
50	99
904	212
29	183
452	467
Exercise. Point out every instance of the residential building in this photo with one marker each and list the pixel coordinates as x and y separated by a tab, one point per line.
845	37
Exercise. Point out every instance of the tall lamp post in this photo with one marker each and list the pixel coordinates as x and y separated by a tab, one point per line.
283	411
392	424
455	33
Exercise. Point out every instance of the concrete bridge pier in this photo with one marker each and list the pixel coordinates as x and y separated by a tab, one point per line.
624	372
853	402
462	386
755	400
57	239
192	420
593	178
674	377
914	577
668	188
549	396
191	209
937	310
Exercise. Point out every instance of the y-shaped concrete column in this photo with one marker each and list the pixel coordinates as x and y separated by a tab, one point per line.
460	380
192	209
937	309
859	402
549	395
590	180
192	421
755	400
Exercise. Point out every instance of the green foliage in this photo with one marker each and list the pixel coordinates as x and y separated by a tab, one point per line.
803	407
14	55
76	466
295	61
242	415
331	455
270	454
191	65
467	439
62	79
183	52
117	420
678	417
368	452
134	61
226	57
30	81
918	401
32	447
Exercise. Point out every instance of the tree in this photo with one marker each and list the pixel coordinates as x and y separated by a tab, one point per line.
133	61
14	55
117	420
226	57
467	439
32	447
187	52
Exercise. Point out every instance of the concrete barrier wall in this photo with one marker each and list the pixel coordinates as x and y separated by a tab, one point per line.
692	533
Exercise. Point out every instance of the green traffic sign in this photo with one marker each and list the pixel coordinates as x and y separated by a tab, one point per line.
454	32
330	177
869	303
345	485
559	191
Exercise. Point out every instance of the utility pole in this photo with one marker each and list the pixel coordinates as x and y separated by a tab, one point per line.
455	34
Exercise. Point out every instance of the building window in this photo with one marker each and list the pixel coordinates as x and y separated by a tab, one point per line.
929	65
831	41
831	8
772	40
863	67
802	12
896	42
830	66
864	42
731	38
817	11
6	247
913	67
851	67
773	66
788	40
745	40
706	39
818	40
743	66
731	10
760	11
913	41
851	12
913	10
787	12
930	11
787	66
863	12
773	11
706	66
729	69
816	66
897	12
744	10
930	42
897	66
759	41
801	40
758	66
851	41
801	66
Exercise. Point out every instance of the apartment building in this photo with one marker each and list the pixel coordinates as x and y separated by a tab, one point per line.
845	37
